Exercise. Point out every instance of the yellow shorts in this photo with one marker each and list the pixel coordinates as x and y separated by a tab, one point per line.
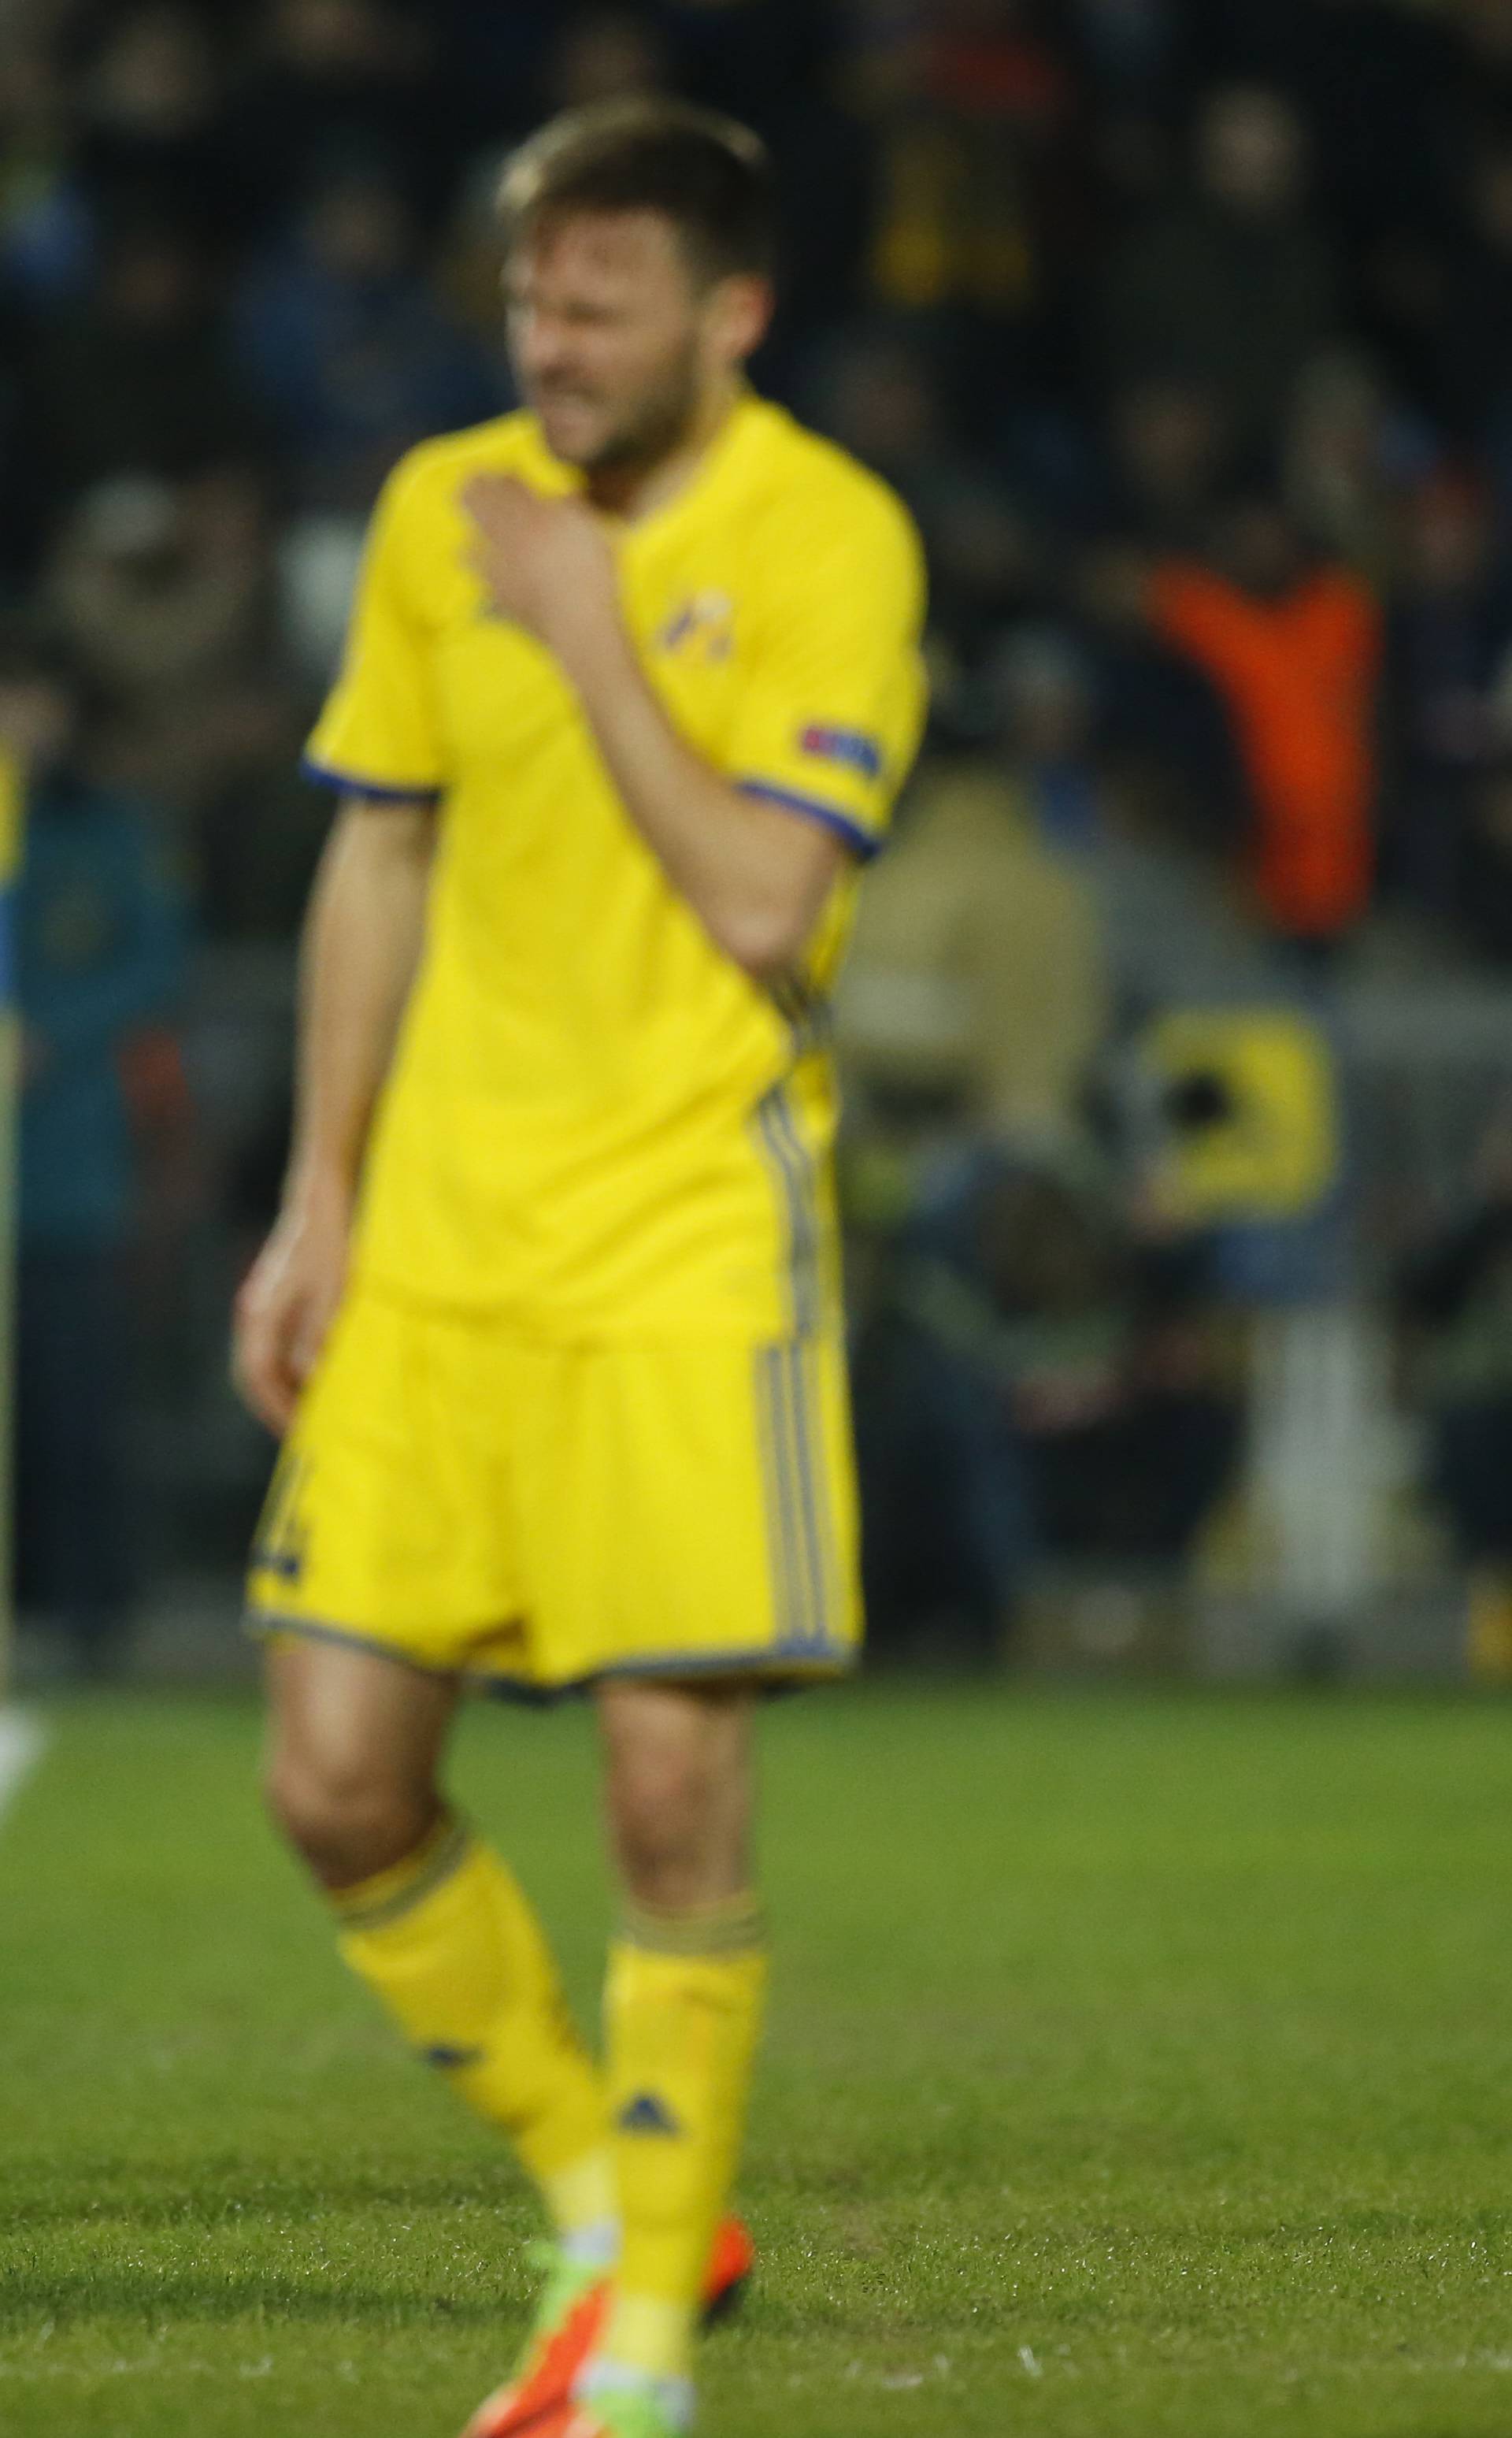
544	1515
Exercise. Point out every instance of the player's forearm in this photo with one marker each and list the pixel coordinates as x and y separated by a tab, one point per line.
361	946
756	877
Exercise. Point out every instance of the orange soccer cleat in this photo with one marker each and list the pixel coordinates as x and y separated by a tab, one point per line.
568	2321
611	2416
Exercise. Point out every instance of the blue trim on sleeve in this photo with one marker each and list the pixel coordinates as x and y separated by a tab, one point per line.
860	842
324	776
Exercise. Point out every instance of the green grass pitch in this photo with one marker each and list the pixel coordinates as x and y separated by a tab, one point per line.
1140	2067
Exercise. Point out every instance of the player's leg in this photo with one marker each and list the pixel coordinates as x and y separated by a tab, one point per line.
685	1519
686	1981
432	1920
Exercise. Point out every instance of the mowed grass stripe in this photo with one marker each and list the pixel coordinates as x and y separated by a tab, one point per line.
1138	2065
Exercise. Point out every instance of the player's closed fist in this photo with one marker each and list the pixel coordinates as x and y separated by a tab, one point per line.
546	563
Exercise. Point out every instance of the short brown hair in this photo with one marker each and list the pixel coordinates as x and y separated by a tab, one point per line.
709	175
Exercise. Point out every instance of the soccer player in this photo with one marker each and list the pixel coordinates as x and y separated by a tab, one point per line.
633	676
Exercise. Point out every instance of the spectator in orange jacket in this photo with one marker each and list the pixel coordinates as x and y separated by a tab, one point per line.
1294	649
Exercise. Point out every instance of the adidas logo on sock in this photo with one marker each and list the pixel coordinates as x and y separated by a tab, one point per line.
648	2115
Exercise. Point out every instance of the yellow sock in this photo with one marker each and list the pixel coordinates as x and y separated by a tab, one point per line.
682	2015
449	1942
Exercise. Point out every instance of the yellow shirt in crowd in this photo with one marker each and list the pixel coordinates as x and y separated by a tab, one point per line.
597	1123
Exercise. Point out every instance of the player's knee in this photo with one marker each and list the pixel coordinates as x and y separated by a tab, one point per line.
346	1823
666	1821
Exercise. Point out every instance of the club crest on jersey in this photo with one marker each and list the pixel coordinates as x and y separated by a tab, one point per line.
701	627
850	745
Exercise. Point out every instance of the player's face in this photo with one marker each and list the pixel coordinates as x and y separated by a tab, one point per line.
615	343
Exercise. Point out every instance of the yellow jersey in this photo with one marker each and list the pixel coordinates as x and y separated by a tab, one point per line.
596	1124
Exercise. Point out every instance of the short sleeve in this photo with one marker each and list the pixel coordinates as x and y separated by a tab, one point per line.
833	705
378	733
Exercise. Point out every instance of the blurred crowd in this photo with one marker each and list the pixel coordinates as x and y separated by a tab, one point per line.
1185	330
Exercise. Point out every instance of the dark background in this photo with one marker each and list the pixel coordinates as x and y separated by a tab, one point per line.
1186	331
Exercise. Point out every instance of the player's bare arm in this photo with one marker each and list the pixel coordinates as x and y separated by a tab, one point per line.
361	947
756	877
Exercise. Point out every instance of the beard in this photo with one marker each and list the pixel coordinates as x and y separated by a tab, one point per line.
651	427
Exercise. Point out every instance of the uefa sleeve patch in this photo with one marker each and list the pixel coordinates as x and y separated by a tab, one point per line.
850	745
